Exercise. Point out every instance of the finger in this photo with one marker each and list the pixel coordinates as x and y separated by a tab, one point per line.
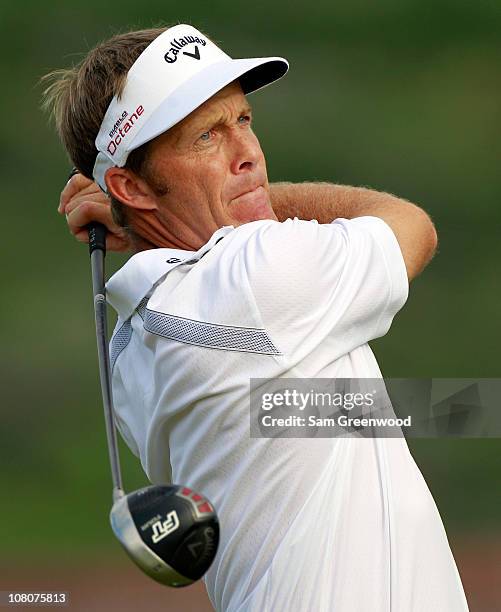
89	211
113	242
77	183
91	190
98	199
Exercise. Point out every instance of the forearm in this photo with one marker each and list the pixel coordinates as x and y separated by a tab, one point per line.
327	201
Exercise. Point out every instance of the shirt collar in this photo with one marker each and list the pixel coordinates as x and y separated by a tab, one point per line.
129	285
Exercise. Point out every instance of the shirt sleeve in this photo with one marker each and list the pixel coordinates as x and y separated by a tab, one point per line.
346	280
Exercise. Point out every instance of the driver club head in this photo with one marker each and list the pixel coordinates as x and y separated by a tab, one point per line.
170	532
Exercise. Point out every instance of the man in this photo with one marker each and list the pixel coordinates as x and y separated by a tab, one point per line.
236	279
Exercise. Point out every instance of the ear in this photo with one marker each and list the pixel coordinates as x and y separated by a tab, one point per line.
125	186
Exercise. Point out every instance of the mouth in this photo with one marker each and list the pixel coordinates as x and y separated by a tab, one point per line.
249	192
256	196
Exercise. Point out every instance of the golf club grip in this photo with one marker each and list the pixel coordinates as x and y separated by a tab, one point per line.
97	237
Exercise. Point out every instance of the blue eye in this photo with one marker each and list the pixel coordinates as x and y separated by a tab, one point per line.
205	136
244	119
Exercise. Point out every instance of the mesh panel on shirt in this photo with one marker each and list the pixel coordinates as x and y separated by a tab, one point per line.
209	335
142	307
119	341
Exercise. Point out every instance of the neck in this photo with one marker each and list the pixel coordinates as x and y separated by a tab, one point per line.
149	231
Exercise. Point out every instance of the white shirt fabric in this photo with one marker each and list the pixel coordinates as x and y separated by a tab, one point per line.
341	524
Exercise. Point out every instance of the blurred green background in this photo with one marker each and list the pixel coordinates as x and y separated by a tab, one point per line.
398	95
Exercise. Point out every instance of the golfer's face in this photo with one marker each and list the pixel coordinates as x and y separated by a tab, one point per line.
213	165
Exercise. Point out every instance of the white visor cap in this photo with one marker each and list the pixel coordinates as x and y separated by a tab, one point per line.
173	76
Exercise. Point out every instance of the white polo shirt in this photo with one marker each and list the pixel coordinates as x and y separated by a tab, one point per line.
340	524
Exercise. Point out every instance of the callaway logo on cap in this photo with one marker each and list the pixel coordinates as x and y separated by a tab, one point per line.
173	76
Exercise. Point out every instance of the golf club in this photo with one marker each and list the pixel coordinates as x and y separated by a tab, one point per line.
170	532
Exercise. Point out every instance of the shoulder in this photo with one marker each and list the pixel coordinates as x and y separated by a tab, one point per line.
309	249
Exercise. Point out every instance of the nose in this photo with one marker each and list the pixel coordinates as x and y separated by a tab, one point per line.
246	151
